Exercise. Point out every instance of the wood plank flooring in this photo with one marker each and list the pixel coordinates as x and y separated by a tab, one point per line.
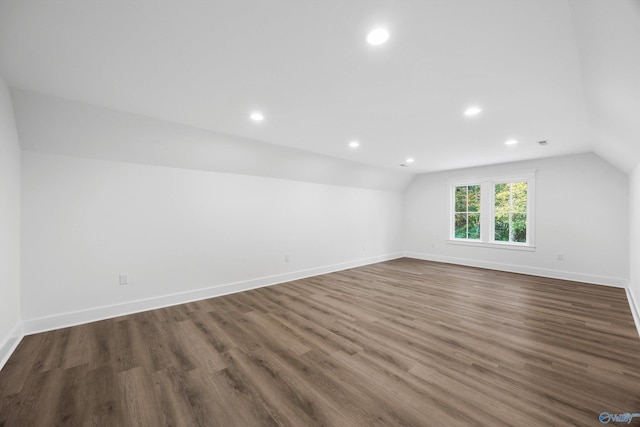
400	343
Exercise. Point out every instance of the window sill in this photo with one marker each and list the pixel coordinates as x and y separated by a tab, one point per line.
508	246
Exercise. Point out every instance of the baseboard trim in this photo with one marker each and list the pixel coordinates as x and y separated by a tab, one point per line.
635	309
522	269
10	344
64	320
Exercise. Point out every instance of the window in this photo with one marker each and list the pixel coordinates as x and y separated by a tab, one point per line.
494	211
510	212
467	212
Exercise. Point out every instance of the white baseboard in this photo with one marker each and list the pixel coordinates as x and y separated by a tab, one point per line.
522	269
63	320
635	309
10	344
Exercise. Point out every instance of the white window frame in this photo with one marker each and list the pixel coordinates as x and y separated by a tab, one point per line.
452	213
487	209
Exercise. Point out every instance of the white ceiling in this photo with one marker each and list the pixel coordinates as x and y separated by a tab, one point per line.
305	64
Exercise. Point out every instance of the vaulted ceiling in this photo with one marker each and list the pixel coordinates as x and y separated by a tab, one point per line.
564	71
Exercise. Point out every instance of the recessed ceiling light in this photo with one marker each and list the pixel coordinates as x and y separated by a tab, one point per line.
377	36
410	160
354	144
472	111
257	116
511	142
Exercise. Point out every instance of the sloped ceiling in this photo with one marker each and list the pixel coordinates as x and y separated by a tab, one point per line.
608	34
534	66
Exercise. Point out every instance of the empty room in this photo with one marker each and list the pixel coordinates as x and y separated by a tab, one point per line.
319	213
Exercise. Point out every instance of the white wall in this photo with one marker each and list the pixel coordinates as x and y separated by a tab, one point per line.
634	234
174	231
9	227
581	212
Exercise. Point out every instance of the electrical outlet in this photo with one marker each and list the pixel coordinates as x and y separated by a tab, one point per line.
286	258
124	279
560	257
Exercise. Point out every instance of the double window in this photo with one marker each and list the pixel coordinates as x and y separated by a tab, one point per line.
494	211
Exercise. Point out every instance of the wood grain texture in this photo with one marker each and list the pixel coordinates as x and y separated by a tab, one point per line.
402	343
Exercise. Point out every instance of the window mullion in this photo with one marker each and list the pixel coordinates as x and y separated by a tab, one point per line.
511	238
485	211
467	209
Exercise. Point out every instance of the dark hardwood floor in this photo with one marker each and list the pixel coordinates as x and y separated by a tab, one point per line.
405	342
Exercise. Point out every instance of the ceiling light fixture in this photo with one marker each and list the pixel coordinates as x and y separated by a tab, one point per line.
377	36
511	142
354	144
472	111
410	160
257	116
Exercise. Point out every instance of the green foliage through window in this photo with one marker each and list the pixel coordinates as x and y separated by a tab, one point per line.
510	213
467	212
